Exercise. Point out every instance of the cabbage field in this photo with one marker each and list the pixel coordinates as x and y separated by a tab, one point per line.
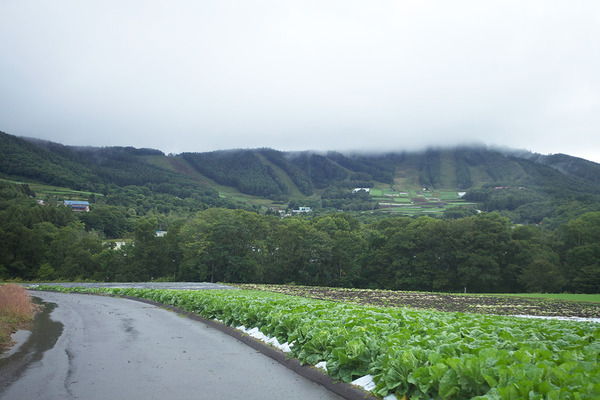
416	354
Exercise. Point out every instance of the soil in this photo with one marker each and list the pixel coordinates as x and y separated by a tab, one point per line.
478	304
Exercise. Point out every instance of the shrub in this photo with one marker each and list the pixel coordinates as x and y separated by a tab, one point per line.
16	309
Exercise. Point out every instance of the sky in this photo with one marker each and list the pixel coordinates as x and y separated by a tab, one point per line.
344	75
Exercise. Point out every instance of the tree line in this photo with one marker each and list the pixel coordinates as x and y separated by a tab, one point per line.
476	253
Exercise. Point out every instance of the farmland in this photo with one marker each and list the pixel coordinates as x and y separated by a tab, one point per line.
50	191
417	202
479	304
419	354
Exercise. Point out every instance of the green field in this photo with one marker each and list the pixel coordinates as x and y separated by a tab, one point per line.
47	190
592	298
413	202
448	195
44	191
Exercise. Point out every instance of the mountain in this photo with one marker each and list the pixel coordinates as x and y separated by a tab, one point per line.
526	186
81	167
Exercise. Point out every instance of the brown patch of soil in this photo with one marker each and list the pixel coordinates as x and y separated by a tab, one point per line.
478	304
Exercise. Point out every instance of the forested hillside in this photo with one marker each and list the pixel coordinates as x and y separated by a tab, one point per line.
441	219
482	253
120	182
240	169
526	187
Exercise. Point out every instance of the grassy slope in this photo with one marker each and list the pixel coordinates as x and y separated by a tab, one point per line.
448	170
293	191
180	165
479	175
406	174
44	190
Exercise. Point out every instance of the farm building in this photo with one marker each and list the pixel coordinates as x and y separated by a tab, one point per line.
302	210
78	205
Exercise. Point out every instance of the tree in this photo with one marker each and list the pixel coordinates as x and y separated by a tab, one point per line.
582	244
194	242
225	245
584	268
299	254
346	243
542	276
481	248
112	265
46	273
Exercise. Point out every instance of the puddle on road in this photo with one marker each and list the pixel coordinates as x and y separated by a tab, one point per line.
44	334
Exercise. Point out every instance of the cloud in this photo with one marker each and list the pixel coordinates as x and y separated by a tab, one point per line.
293	75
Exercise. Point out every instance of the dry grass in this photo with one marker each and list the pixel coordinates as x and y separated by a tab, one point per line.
16	311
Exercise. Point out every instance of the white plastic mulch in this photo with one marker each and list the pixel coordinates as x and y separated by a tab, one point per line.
257	334
365	382
574	319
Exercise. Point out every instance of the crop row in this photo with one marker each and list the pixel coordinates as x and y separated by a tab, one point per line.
420	354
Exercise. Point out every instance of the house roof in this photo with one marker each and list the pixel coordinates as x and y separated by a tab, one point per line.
76	203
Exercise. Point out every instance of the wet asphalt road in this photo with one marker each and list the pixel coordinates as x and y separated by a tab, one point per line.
144	285
94	347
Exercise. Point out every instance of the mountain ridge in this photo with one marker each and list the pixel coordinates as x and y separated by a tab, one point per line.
351	160
269	177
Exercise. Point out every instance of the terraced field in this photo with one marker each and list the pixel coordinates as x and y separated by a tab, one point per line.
414	202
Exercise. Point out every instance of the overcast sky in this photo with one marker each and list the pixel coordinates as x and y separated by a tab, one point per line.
204	75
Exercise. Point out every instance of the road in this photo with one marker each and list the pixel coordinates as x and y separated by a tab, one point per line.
95	347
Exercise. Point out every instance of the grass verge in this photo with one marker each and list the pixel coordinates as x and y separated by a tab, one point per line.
16	312
592	298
